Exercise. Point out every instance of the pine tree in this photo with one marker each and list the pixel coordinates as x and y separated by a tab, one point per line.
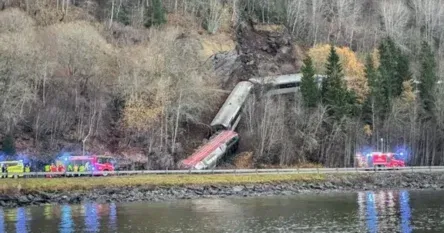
428	77
9	145
387	69
158	13
334	93
402	69
371	74
393	71
309	87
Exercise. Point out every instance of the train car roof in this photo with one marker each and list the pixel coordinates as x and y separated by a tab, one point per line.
238	94
209	147
281	79
289	78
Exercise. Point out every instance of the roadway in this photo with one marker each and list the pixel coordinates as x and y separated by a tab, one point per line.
245	171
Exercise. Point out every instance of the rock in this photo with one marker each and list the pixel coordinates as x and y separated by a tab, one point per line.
199	192
287	193
75	200
45	195
315	186
2	203
213	191
348	183
23	200
238	188
37	199
329	185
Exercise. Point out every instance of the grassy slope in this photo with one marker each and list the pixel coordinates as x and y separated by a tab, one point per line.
11	186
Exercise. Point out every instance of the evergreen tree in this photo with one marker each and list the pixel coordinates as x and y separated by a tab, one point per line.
402	70
334	93
393	71
428	77
309	87
387	70
158	13
371	74
9	145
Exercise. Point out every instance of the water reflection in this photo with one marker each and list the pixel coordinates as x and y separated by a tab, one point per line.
2	221
47	212
113	217
372	217
21	224
405	212
383	209
92	217
66	221
380	211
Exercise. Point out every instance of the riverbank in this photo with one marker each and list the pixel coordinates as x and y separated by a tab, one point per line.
154	188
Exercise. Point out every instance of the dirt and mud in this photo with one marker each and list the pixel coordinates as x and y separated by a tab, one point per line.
261	50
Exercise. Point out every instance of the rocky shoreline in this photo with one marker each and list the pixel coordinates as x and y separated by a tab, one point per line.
332	183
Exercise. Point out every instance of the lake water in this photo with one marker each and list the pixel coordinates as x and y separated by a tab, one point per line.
381	211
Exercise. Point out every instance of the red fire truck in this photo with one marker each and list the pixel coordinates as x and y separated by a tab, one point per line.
90	163
378	160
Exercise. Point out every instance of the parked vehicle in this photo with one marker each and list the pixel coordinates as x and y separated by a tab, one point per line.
17	167
379	160
88	163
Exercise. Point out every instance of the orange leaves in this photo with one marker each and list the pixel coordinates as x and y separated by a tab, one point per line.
408	95
376	58
353	69
368	130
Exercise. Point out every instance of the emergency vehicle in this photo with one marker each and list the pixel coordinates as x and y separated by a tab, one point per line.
89	163
16	167
379	160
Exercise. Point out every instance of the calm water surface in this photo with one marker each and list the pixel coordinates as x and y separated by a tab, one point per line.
384	211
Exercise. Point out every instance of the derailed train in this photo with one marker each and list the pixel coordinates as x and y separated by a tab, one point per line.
226	120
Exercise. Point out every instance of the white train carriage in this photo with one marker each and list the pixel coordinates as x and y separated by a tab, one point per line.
282	84
278	85
228	116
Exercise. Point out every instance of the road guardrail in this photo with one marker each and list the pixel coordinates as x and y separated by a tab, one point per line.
231	171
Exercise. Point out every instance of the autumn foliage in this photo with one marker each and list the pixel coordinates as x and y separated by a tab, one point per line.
353	68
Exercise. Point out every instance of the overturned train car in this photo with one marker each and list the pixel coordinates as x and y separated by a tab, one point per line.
228	117
208	155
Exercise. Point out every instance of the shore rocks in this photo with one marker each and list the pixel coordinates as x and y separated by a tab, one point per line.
348	182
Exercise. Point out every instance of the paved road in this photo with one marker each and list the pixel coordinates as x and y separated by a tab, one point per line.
247	171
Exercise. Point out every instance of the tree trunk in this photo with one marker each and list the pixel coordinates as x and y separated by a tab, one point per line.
176	124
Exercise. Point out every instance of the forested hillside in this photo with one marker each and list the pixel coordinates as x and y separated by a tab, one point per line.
143	78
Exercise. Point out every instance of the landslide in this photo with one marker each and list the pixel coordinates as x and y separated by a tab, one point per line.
261	50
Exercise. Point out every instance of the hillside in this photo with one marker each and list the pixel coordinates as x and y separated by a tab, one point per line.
143	79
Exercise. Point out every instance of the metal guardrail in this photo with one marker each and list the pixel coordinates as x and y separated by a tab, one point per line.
232	171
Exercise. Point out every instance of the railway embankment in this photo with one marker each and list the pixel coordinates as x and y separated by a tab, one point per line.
155	188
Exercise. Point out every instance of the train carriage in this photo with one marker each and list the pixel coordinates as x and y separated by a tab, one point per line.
207	156
278	85
228	116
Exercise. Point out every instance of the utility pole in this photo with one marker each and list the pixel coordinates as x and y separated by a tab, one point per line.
382	145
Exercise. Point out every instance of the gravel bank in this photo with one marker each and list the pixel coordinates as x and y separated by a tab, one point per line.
332	183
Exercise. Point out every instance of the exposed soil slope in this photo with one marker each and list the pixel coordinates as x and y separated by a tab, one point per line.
260	51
